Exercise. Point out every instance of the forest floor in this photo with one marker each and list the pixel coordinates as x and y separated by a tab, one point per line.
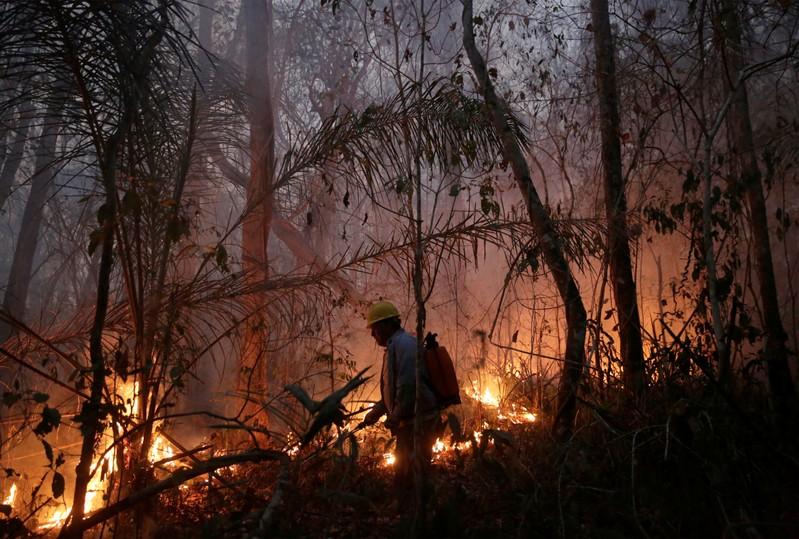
695	468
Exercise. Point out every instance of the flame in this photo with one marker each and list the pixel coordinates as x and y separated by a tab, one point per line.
106	462
517	415
439	446
57	519
130	394
104	465
389	459
486	398
12	495
160	450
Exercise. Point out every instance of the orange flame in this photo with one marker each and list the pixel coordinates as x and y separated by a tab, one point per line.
12	495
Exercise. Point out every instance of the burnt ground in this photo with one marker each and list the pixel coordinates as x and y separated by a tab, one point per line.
693	470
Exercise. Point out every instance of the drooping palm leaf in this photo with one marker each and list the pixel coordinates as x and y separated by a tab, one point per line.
448	126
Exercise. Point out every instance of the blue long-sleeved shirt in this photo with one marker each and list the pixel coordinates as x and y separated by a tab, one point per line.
398	379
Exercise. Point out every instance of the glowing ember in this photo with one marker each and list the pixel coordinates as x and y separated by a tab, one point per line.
292	446
12	495
389	459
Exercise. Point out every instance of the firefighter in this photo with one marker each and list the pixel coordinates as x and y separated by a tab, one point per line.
398	392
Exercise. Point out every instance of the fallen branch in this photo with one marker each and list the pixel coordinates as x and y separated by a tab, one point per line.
174	480
192	455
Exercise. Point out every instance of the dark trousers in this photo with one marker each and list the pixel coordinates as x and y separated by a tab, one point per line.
403	465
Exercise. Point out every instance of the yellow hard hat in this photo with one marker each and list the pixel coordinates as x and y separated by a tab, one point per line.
382	310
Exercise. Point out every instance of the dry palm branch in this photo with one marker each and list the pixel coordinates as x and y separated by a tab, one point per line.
328	411
448	126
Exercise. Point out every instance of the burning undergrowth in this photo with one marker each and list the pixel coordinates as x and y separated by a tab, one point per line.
148	471
686	471
496	472
342	481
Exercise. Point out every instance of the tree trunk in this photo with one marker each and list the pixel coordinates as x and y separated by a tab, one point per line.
92	412
775	350
255	228
551	245
15	152
16	297
619	260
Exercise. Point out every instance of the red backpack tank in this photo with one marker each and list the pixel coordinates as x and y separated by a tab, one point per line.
441	371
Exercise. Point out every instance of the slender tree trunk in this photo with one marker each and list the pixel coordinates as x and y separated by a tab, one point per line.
16	296
92	413
775	350
419	479
623	282
255	233
551	245
155	295
15	152
108	150
199	197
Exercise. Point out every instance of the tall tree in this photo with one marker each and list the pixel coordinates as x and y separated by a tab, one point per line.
16	296
114	56
775	350
619	260
258	217
550	242
15	150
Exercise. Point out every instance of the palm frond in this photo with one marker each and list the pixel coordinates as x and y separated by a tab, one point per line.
449	127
